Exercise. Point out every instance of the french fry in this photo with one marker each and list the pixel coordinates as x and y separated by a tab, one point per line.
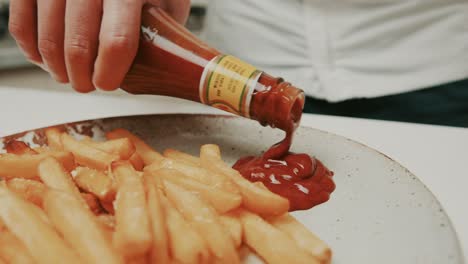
205	220
159	252
87	155
107	220
182	157
260	185
232	224
273	245
132	231
33	191
30	190
221	200
107	223
41	214
18	148
79	228
304	238
186	245
200	174
41	240
54	176
53	138
147	153
12	250
255	199
25	166
137	162
121	147
40	150
95	182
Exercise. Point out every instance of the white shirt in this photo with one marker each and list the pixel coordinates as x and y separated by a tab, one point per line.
342	49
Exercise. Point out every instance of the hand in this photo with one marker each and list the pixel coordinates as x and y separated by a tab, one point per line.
89	43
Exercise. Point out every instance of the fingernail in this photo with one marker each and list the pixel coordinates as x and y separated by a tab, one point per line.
40	64
59	79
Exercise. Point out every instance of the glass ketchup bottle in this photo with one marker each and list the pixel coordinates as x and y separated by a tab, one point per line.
171	61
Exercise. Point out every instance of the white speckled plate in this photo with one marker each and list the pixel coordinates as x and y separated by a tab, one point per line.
379	213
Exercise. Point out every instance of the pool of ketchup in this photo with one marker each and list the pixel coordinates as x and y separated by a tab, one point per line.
300	178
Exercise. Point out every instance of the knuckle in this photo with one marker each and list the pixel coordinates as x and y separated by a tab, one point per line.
78	50
47	47
119	43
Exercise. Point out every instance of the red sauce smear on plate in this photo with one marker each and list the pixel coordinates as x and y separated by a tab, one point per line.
302	179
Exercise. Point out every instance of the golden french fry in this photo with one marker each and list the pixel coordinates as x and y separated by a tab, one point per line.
182	157
18	148
137	162
107	223
33	191
232	224
186	245
87	155
200	174
25	166
42	215
255	199
107	220
54	176
205	220
95	182
30	190
121	147
53	138
210	150
260	184
147	153
40	150
79	228
41	240
221	200
132	231
273	245
304	238
12	250
159	252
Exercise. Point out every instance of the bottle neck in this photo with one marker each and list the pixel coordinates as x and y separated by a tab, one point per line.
278	104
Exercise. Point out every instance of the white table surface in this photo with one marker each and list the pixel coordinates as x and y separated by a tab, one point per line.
437	155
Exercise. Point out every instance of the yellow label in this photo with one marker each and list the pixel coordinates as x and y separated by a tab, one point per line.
227	83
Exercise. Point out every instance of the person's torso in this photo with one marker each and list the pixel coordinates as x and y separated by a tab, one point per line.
340	49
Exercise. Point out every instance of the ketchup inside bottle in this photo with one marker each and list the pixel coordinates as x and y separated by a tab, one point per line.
172	62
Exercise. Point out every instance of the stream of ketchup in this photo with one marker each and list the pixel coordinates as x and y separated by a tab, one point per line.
302	179
176	70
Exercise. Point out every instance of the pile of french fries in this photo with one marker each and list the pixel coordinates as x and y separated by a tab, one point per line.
120	201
